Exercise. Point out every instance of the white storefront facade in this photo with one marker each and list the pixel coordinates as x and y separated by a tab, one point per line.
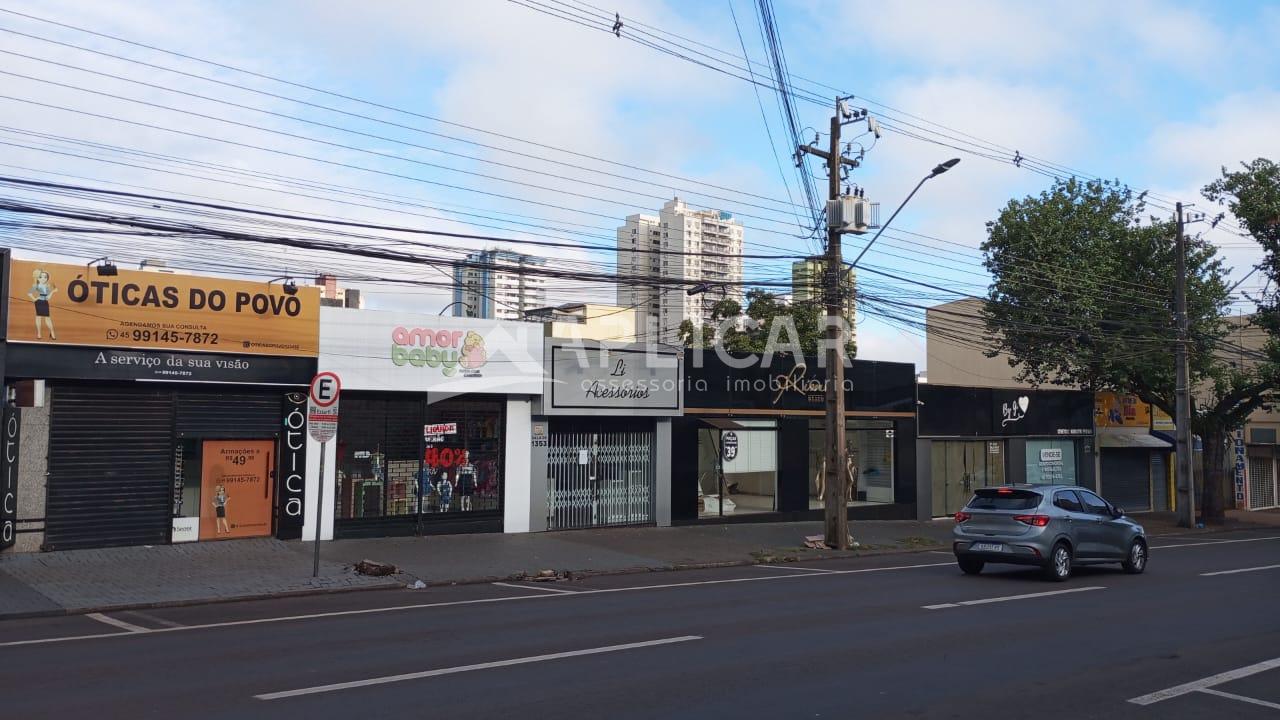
434	428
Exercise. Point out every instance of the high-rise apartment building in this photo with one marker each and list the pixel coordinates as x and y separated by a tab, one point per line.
649	247
807	280
498	284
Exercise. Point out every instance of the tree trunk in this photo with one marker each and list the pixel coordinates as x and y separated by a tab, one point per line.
1217	493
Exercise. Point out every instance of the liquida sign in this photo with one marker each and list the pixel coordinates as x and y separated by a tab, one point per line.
450	351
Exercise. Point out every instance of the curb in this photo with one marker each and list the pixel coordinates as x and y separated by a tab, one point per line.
316	592
404	579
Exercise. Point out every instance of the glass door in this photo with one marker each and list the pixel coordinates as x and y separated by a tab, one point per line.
960	467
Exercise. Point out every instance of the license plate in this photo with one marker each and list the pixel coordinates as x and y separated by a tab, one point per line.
986	547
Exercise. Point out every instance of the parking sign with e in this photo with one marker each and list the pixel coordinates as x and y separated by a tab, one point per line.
322	406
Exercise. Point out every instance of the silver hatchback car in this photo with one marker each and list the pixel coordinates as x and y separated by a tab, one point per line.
1055	527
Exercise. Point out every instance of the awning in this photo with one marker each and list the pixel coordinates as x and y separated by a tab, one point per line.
1130	438
723	424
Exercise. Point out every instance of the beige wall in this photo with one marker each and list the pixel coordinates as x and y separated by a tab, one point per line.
953	361
603	322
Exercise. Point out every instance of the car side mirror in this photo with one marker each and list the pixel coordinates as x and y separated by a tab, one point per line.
1117	512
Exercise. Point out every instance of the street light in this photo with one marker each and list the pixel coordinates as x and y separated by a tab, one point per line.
937	170
470	308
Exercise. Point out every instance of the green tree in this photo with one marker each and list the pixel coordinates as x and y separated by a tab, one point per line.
1252	194
1082	294
767	320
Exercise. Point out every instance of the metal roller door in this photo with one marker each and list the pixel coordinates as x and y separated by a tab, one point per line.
110	467
1159	483
1126	479
596	479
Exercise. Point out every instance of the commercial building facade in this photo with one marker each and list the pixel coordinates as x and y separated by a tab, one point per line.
159	408
972	437
751	445
678	248
433	432
601	435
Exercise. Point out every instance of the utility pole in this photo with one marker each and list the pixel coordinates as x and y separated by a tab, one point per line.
1184	475
835	497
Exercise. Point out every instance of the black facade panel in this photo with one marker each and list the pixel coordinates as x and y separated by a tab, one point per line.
228	414
904	461
793	464
110	467
952	411
684	468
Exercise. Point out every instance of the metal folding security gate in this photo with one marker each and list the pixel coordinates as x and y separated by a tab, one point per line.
1262	483
597	479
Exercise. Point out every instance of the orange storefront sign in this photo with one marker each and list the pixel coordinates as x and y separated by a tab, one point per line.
61	304
235	489
1117	410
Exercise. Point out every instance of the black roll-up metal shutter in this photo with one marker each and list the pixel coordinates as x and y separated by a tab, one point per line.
110	467
228	414
1126	479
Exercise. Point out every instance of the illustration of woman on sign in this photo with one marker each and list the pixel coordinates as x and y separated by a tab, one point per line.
220	510
40	292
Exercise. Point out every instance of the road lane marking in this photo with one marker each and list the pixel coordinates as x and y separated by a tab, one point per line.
1202	683
151	618
118	623
477	666
1007	598
1214	542
804	569
535	587
1241	570
479	601
1241	698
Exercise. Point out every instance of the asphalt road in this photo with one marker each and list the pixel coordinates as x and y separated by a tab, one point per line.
847	639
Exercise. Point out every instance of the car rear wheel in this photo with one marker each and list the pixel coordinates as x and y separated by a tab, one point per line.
1059	566
1136	561
970	565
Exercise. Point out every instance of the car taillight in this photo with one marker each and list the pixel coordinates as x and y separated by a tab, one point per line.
1033	520
962	516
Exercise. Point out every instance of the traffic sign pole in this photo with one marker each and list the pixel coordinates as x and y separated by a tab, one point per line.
322	424
315	565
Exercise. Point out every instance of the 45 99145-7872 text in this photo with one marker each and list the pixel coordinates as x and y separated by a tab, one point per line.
174	337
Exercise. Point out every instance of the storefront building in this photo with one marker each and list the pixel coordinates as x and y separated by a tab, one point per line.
752	443
1135	461
433	431
159	407
601	435
973	437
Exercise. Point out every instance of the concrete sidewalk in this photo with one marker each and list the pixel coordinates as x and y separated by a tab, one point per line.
445	559
117	578
55	583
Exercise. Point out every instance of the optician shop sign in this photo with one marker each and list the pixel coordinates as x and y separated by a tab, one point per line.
99	363
585	378
375	350
53	305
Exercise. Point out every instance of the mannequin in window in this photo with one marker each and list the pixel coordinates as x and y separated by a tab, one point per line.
444	490
850	476
466	485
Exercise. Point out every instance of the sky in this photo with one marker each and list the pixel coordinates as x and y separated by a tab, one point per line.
494	118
